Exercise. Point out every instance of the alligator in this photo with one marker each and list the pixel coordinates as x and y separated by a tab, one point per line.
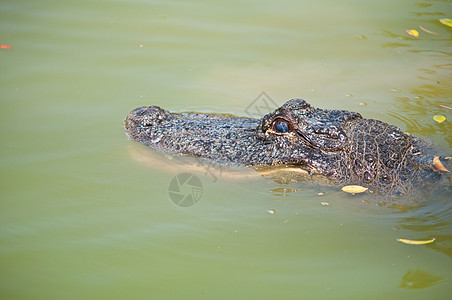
338	146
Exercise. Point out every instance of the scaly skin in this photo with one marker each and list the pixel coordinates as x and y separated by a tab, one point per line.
337	144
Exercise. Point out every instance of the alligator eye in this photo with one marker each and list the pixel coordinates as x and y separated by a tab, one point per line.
281	126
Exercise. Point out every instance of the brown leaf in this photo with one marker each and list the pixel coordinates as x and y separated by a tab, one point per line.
439	165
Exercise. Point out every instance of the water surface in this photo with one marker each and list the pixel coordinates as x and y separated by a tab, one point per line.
81	217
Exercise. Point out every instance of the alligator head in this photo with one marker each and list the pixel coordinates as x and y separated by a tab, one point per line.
336	144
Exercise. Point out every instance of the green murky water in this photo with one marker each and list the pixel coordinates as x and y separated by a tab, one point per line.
82	218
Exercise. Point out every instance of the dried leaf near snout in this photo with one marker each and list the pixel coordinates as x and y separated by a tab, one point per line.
439	165
354	189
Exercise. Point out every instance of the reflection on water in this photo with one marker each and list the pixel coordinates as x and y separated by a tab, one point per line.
418	121
419	279
437	83
434	85
426	103
282	191
430	220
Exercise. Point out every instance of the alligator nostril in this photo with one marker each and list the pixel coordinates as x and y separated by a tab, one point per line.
385	179
395	156
369	158
367	177
358	164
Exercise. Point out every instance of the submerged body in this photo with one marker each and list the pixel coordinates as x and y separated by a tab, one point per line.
337	145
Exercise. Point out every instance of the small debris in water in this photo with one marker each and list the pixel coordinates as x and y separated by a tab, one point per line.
271	211
363	104
320	193
326	203
428	31
282	191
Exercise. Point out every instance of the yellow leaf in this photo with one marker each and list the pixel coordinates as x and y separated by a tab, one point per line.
439	118
414	242
447	22
439	165
354	189
412	32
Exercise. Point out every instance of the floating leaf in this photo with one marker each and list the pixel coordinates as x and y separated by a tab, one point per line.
354	189
439	118
428	31
416	242
412	32
447	22
439	165
6	47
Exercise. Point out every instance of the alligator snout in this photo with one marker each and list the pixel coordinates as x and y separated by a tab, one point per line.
141	122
